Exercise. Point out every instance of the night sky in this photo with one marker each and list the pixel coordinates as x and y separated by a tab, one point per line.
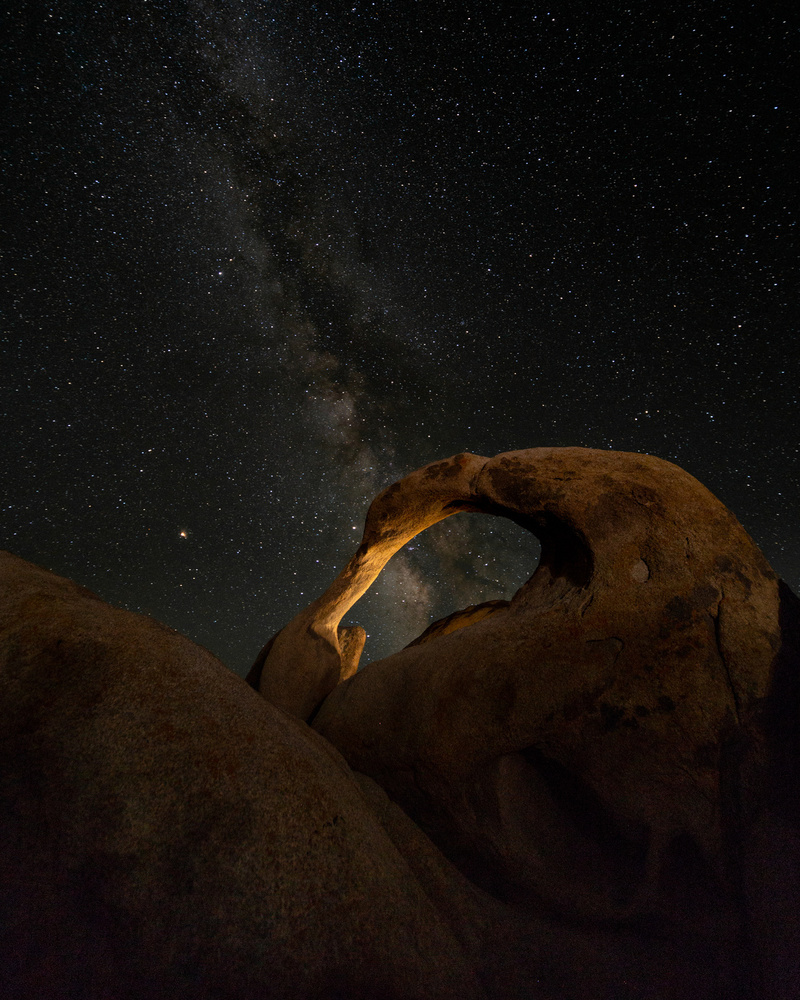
262	259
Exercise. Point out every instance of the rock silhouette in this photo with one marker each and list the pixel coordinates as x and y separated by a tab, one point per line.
590	791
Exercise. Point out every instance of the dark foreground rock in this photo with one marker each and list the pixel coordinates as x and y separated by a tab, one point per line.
165	832
593	792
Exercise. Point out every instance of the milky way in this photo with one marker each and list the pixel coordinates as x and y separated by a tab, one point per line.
263	259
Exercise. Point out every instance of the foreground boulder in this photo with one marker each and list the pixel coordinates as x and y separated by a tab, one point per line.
591	791
165	832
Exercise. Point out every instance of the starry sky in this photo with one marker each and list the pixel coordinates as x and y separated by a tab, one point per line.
261	259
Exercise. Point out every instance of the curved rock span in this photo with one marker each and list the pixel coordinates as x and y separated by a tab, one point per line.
589	791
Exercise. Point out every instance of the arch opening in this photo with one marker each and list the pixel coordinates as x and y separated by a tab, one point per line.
459	562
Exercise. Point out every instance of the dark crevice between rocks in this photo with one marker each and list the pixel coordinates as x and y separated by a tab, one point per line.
254	674
782	712
723	659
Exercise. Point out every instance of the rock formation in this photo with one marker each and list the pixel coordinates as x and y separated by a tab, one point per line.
167	833
590	791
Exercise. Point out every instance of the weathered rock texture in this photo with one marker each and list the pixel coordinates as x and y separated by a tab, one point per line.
166	833
592	792
598	748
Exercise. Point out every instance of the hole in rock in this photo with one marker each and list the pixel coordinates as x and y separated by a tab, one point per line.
463	560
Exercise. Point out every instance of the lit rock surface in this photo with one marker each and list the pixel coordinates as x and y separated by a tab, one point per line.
592	792
596	747
313	653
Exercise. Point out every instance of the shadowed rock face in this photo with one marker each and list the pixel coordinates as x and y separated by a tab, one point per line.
609	765
165	832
